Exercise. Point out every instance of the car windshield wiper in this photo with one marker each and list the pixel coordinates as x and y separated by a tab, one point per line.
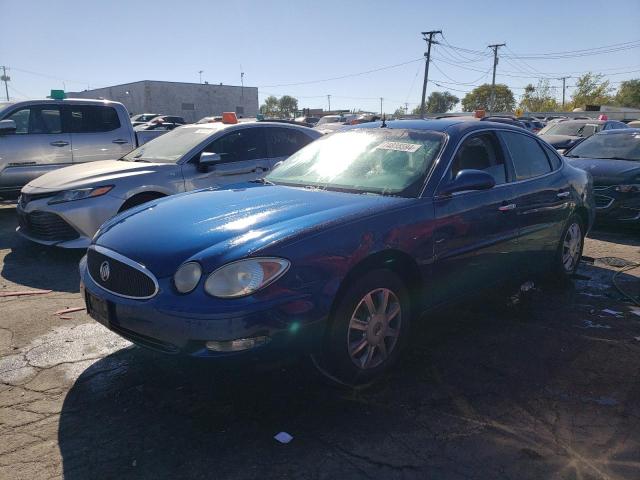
263	181
572	156
617	158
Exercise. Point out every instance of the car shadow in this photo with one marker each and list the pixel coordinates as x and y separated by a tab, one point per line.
137	414
33	265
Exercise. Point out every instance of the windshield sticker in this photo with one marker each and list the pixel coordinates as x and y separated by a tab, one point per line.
399	146
203	130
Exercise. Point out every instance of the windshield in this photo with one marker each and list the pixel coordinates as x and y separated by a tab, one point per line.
573	129
609	146
330	119
170	147
4	105
377	161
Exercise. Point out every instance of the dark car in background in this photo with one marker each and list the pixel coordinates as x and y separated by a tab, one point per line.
141	118
506	120
337	251
565	134
532	124
613	159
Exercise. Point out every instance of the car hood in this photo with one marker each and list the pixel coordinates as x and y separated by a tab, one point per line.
215	227
608	172
88	174
560	141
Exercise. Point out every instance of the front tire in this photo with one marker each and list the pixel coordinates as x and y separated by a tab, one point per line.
368	329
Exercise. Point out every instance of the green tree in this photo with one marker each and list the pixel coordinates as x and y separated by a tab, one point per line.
438	102
287	105
270	107
479	98
400	112
591	89
629	94
539	98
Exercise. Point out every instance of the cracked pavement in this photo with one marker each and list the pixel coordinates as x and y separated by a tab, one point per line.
547	388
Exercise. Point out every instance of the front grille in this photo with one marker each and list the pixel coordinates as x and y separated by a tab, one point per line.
144	340
29	197
46	226
603	201
119	275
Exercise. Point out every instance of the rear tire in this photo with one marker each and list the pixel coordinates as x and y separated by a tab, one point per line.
139	199
567	258
367	330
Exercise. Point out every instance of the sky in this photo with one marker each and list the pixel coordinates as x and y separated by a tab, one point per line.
289	47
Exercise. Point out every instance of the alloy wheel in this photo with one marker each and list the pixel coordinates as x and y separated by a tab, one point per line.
571	247
374	328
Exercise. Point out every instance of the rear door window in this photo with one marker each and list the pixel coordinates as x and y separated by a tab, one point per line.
91	119
284	142
528	157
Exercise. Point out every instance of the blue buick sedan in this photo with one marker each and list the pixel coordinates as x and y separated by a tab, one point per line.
338	250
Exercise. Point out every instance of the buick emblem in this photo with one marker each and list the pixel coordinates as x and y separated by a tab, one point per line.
105	271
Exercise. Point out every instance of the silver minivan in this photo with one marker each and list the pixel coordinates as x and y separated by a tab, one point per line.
50	134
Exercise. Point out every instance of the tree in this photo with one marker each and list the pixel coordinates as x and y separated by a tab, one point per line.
539	99
629	94
400	112
479	98
287	106
438	102
591	89
270	107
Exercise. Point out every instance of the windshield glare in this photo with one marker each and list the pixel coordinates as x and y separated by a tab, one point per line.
623	145
376	161
171	146
329	119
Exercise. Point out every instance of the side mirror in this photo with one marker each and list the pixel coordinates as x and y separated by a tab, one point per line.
208	159
7	127
469	180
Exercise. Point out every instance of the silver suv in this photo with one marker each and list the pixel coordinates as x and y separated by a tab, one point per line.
38	136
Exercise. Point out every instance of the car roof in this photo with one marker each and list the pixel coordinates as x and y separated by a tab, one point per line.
620	131
451	126
221	126
72	101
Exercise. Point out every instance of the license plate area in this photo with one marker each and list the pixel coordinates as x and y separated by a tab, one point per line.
98	309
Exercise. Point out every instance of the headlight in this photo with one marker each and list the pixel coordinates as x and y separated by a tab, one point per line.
244	277
79	194
187	277
632	188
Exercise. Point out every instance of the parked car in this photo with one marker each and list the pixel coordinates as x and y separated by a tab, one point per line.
612	157
37	136
634	124
339	249
532	124
312	120
566	134
213	119
66	207
143	118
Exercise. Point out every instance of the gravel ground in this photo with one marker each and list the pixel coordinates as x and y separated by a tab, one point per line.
547	388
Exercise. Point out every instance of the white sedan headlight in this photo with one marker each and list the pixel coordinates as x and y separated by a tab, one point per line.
244	277
187	277
79	194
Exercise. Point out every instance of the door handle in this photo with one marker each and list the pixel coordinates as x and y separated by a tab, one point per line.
563	194
506	208
120	141
59	143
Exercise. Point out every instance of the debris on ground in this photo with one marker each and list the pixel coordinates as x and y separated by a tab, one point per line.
590	324
22	293
69	310
283	437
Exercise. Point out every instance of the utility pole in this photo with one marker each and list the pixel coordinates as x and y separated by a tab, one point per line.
429	40
495	48
5	79
564	88
381	105
241	83
406	107
329	100
200	74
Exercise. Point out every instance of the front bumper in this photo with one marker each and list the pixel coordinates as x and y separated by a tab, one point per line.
67	225
181	324
613	206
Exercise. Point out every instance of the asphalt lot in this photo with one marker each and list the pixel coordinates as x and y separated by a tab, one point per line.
547	388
